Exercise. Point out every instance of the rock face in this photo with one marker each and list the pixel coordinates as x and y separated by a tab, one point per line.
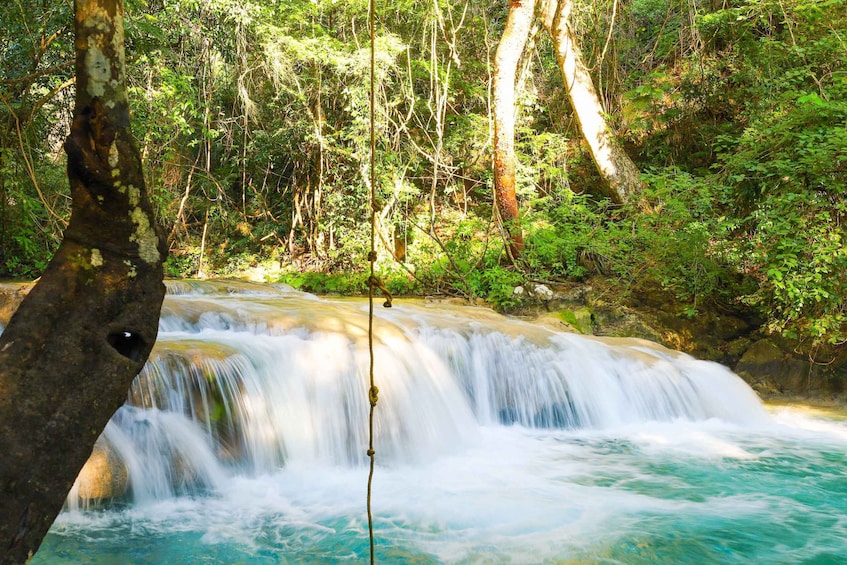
769	369
772	365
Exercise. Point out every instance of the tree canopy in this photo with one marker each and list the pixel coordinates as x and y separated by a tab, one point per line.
252	123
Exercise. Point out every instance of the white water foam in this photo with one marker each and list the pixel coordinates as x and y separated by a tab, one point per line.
496	441
273	378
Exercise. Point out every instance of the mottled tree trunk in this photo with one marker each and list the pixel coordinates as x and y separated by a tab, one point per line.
614	165
512	43
83	333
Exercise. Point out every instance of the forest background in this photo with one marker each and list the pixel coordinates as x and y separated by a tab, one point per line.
252	121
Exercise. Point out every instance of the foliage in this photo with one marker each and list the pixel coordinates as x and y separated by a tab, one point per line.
35	50
327	283
252	117
788	174
757	113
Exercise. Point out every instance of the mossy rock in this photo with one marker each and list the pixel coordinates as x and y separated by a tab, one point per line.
581	319
554	322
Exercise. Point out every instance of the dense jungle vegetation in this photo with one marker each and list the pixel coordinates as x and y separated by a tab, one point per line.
252	120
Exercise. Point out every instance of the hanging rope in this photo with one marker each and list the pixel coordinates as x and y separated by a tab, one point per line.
373	281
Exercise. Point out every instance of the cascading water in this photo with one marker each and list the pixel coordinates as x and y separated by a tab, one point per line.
244	440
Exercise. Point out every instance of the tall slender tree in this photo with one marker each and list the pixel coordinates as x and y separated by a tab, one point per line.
511	46
615	167
70	352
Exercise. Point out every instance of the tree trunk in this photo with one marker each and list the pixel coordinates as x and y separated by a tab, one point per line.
70	352
512	43
614	165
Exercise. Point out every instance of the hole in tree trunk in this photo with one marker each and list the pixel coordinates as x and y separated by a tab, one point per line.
127	344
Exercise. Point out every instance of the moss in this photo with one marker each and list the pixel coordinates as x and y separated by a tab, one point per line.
580	319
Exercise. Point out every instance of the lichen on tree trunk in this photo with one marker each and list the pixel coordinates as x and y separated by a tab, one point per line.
70	352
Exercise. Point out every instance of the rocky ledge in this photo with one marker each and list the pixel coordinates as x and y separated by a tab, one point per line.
776	367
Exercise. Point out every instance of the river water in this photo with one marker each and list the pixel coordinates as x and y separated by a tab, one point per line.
497	441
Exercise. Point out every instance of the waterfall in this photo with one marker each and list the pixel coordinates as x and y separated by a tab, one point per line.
246	379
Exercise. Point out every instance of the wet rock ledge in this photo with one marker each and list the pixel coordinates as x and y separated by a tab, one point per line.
776	367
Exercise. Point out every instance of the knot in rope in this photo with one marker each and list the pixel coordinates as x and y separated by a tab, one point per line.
373	395
375	282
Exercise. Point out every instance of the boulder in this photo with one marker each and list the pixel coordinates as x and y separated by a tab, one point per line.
103	477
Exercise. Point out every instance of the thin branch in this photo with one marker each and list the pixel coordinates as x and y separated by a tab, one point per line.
37	74
47	97
28	163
